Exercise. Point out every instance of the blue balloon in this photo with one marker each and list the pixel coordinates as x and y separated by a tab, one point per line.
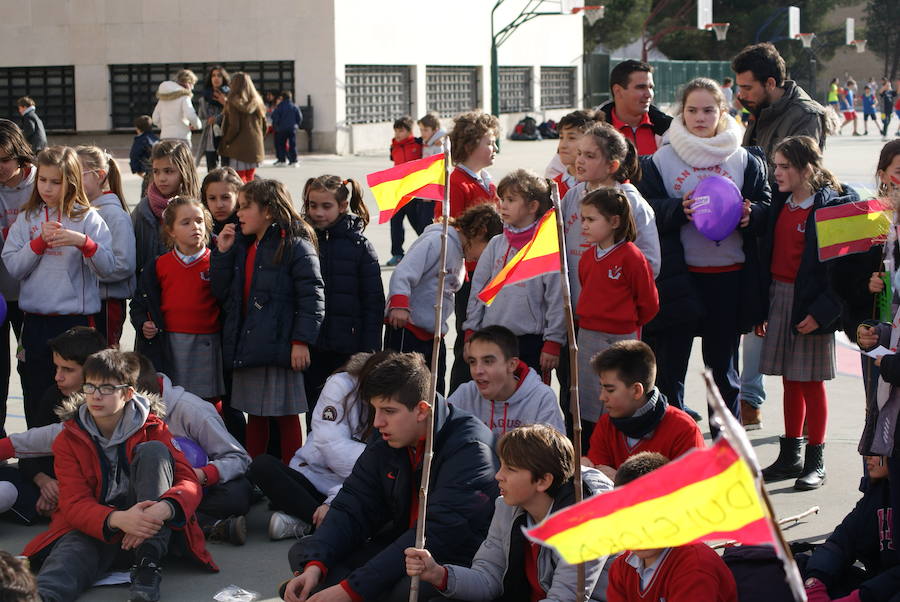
192	451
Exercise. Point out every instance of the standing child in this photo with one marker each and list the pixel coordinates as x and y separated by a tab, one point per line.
174	313
432	144
532	309
103	187
618	293
219	192
174	113
571	128
286	120
243	127
354	294
174	175
58	247
268	279
868	102
141	148
404	147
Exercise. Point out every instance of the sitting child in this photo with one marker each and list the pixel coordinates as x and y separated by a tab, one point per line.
16	581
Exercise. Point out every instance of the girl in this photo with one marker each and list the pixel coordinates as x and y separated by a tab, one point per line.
354	293
268	280
174	175
219	192
618	294
175	316
103	187
410	308
174	113
58	248
302	492
533	309
243	127
212	103
711	289
803	310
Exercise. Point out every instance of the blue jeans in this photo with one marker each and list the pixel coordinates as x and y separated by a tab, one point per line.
752	389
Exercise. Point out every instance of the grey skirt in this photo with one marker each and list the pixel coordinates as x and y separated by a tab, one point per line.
243	165
268	391
798	357
196	363
590	343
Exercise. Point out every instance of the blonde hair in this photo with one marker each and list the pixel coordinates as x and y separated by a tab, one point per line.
170	214
243	95
711	86
74	203
186	77
93	158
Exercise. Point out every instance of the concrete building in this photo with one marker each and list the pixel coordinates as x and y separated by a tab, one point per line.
93	65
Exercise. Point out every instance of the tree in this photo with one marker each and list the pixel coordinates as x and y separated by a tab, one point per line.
883	33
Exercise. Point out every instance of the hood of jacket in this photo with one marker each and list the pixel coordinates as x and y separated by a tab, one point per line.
74	405
169	90
527	381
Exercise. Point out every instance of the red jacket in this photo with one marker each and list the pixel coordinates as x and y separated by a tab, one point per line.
81	482
408	149
465	192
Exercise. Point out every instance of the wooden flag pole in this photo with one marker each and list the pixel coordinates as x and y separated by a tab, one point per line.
737	437
574	401
435	357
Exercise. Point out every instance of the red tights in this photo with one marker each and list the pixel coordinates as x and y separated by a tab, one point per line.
246	174
258	435
805	400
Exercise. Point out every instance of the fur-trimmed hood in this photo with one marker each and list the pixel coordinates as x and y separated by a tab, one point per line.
169	90
68	407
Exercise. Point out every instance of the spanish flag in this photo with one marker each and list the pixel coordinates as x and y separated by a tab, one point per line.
707	494
395	187
852	227
540	255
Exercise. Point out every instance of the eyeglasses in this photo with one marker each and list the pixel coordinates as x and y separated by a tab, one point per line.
105	389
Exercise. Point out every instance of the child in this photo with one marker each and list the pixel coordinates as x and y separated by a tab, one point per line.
58	247
804	310
32	126
637	417
286	120
354	293
535	477
868	102
571	128
689	572
504	392
103	187
532	309
243	127
16	581
174	175
404	147
138	508
473	144
432	134
219	193
139	156
174	313
618	294
174	113
268	281
409	315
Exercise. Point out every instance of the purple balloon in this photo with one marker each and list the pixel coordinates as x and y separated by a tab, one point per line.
2	308
192	451
718	205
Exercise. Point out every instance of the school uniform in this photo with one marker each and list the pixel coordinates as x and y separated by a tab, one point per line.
121	283
468	189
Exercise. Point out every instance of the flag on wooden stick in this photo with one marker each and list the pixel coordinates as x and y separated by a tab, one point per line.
852	227
395	187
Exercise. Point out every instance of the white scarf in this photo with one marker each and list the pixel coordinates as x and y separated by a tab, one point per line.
704	152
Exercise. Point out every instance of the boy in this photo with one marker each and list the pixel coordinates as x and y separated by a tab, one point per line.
535	477
139	157
357	553
286	120
637	417
432	143
404	147
690	572
504	392
571	128
868	103
107	509
32	126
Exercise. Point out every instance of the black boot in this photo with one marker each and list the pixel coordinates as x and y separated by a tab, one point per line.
789	464
145	578
813	475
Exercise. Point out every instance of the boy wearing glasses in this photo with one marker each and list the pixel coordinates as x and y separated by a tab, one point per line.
124	489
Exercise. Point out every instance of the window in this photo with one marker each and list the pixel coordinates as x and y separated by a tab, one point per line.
451	90
558	87
52	88
377	92
133	87
515	89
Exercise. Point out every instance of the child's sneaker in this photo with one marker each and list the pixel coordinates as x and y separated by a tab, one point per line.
231	530
278	164
393	261
283	526
146	576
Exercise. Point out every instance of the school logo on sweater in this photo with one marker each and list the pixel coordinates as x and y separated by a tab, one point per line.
329	414
614	272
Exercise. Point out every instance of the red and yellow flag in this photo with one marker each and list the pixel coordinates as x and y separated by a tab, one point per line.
395	187
852	227
707	494
539	256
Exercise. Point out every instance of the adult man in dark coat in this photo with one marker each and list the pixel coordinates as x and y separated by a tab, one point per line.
631	111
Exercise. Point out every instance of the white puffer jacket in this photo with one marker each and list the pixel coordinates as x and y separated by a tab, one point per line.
174	113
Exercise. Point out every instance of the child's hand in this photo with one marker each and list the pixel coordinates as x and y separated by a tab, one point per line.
549	362
299	356
585	461
745	215
135	521
149	330
807	325
866	336
67	238
48	229
225	238
319	515
876	284
686	203
760	329
421	563
299	588
398	317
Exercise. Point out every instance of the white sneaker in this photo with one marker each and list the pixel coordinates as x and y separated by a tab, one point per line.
284	526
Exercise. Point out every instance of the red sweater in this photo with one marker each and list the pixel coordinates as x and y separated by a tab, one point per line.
642	136
618	292
676	434
188	305
790	238
465	192
408	149
687	574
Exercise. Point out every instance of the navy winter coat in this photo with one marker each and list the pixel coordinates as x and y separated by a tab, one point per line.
354	293
147	305
286	116
286	301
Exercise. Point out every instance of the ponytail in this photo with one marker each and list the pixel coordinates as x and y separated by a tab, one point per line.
357	204
343	190
95	158
629	167
114	182
617	147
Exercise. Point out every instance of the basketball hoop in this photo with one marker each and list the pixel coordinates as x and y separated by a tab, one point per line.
592	14
806	39
721	30
860	45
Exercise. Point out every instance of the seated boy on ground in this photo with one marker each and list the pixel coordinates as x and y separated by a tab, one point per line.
504	392
110	512
535	477
358	551
637	417
683	574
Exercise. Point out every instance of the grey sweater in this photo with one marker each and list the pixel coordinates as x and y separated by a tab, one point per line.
121	281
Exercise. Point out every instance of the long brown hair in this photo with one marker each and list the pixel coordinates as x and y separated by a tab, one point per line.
74	203
888	152
616	147
802	152
95	158
342	191
272	196
180	155
612	202
243	95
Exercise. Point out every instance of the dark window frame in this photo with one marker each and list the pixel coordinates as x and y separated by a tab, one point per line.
52	88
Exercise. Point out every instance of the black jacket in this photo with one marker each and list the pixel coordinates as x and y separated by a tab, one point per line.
33	130
679	301
659	119
849	278
813	295
147	305
286	301
354	293
378	494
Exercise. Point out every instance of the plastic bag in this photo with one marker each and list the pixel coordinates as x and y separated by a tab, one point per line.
233	593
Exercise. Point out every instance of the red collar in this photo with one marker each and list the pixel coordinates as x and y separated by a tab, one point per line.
619	124
416	454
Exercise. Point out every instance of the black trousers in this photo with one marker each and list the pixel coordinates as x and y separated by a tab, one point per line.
287	489
13	321
223	500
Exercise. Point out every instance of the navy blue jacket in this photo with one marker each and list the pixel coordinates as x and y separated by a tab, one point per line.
354	293
376	499
286	301
147	305
139	157
679	300
286	117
